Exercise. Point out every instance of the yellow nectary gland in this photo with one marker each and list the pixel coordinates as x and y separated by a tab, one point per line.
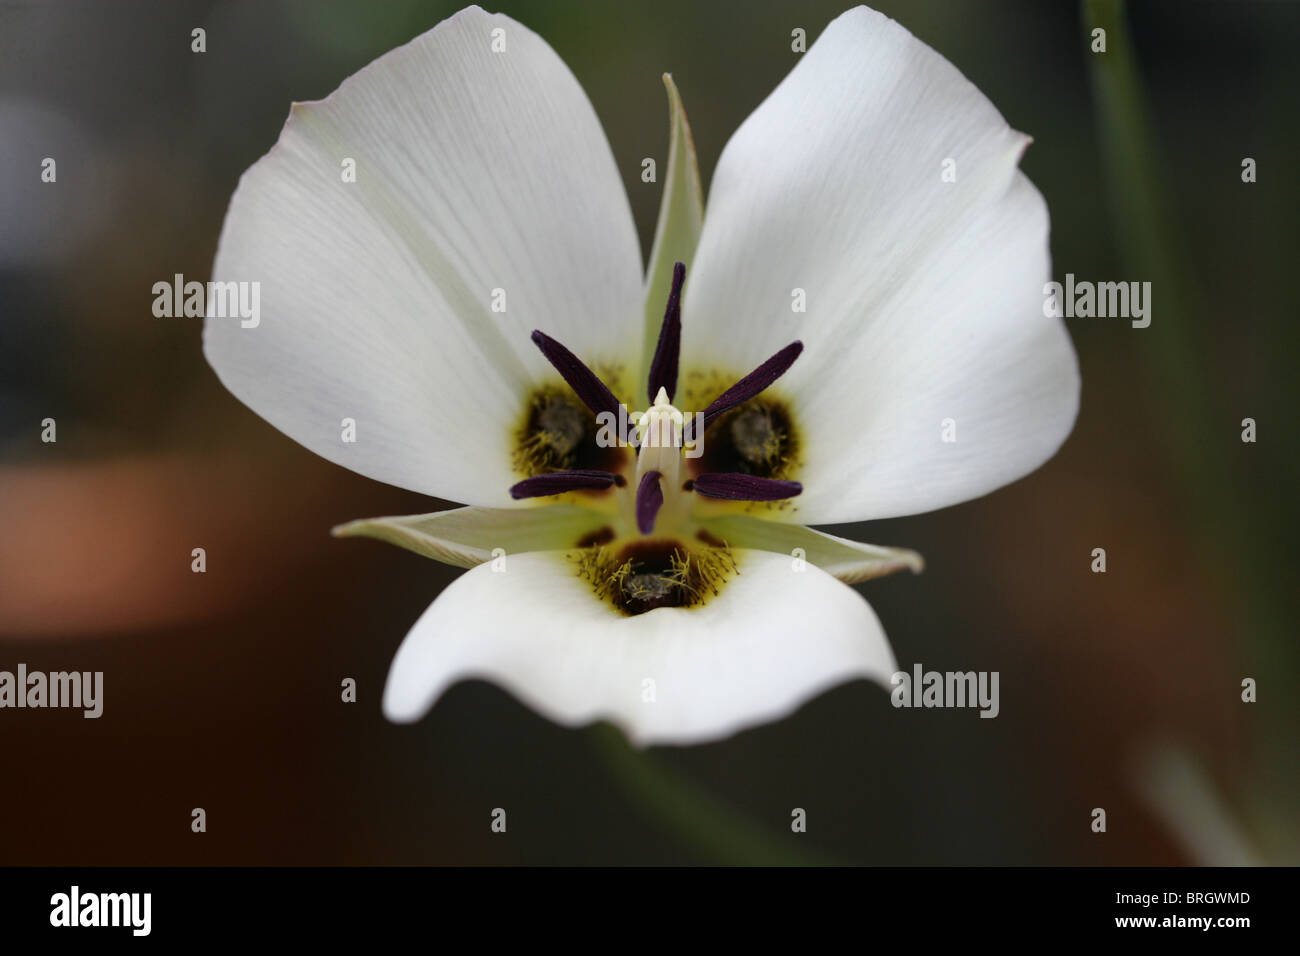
757	438
645	575
760	439
557	433
556	426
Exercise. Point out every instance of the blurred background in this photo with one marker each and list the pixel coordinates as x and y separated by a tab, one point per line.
1119	690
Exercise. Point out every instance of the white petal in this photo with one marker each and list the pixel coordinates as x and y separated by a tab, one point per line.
774	637
475	171
924	297
850	561
466	537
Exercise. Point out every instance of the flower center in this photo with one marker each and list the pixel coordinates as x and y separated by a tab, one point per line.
754	445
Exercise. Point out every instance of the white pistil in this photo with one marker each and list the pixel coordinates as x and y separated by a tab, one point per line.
659	430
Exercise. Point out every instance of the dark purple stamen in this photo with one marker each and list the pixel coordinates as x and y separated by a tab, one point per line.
738	487
558	482
663	368
754	382
649	499
594	393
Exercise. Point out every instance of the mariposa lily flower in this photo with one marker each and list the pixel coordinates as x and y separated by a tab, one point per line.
473	300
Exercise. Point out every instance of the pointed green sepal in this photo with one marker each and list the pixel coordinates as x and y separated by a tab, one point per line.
681	216
850	561
465	537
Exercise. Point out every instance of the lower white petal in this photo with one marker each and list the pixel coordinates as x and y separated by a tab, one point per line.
779	633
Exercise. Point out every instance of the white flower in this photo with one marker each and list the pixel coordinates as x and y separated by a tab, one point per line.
486	246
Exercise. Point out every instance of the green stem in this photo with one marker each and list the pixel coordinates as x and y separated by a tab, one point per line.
721	832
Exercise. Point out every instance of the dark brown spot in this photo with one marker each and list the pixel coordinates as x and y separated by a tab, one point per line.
758	439
712	540
755	437
652	574
598	537
563	423
559	434
647	574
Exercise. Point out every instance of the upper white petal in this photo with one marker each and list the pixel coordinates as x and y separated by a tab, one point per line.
778	633
924	297
475	171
